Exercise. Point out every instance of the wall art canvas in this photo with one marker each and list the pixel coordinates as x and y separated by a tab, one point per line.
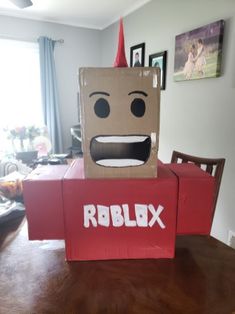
198	52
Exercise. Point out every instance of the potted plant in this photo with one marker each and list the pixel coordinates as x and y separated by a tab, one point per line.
22	138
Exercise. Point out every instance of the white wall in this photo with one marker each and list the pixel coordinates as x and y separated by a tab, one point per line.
197	117
81	47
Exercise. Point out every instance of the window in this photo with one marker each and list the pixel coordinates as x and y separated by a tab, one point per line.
20	96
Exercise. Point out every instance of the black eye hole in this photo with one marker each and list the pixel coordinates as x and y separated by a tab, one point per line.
138	107
102	108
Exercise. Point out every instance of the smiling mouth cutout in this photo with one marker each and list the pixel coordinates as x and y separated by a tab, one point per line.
120	151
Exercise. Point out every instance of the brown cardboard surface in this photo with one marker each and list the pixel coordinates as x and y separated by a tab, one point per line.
115	92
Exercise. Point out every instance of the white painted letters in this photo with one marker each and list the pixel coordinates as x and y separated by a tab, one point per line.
116	214
156	215
103	215
119	215
141	213
89	213
128	222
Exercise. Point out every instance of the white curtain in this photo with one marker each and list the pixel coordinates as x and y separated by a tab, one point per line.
20	96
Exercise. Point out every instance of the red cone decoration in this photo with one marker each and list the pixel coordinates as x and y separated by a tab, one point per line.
120	61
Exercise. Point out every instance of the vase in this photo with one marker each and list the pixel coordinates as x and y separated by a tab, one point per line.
27	157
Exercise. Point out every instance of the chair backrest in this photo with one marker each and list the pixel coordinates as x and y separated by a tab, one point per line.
213	166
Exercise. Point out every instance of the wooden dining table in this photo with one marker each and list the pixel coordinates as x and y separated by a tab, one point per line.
36	279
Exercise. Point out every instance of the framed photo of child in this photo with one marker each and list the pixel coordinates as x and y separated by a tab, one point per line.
198	52
159	60
137	54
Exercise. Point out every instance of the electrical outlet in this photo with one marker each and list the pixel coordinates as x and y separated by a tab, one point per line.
231	238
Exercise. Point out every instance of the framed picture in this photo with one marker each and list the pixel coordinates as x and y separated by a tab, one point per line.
137	55
159	60
198	52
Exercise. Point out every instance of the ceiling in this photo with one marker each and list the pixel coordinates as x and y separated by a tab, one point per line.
96	14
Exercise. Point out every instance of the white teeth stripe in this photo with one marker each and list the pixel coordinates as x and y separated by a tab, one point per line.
121	139
119	162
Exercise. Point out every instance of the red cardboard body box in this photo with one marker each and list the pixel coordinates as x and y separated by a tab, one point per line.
195	199
43	198
119	218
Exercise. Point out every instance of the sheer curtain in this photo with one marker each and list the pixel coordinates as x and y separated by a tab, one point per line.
49	92
20	96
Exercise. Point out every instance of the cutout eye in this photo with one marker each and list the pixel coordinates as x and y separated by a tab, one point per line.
102	108
138	107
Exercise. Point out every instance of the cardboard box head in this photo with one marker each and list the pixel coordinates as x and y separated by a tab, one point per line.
120	121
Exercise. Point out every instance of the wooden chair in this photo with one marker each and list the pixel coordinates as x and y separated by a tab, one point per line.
214	166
